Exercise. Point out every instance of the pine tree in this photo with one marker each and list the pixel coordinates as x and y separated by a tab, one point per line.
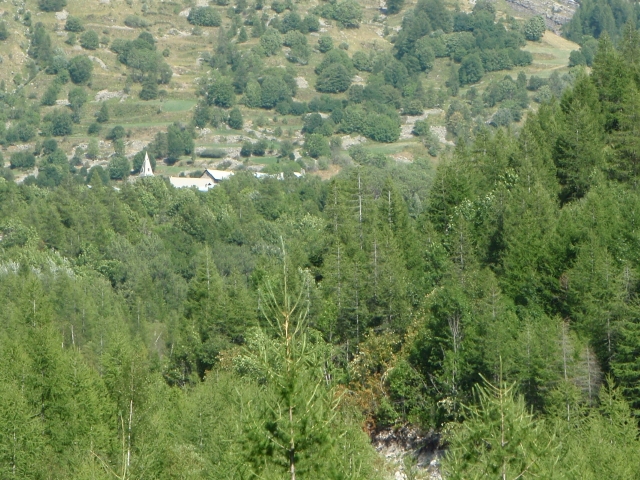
290	424
499	439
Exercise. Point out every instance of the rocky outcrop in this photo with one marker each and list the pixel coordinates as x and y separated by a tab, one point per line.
407	448
556	13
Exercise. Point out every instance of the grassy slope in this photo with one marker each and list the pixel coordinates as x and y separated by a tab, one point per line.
172	31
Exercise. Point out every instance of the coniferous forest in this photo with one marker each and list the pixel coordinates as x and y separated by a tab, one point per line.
266	328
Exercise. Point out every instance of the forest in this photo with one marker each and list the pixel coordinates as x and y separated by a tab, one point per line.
484	293
261	329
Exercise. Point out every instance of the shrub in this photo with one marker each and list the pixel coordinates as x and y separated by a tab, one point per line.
334	79
394	6
325	43
213	153
4	32
89	40
534	28
119	168
271	42
135	21
471	70
94	129
22	160
116	133
247	149
204	17
260	148
80	69
149	89
316	145
52	5
235	120
362	61
73	24
61	124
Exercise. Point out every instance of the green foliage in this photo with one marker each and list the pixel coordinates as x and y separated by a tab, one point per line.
80	69
394	6
316	145
534	28
204	17
51	5
471	69
89	40
235	120
271	42
4	32
40	48
221	93
500	438
22	160
103	114
149	89
334	79
119	168
61	124
73	24
135	21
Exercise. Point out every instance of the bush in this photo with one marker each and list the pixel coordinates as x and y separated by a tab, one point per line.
98	176
271	42
52	5
61	124
471	70
116	133
4	32
534	28
394	6
362	61
135	21
89	40
22	160
149	89
247	149
80	69
502	118
536	82
94	129
50	95
213	153
316	145
235	119
49	146
204	17
334	79
348	13
21	132
260	148
119	168
325	43
381	128
576	58
73	24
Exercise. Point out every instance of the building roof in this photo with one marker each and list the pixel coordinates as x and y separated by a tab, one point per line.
202	184
216	175
146	170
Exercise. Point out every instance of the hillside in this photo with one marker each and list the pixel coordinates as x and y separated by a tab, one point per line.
450	290
189	50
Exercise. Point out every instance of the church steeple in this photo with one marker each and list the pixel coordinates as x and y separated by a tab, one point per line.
146	170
